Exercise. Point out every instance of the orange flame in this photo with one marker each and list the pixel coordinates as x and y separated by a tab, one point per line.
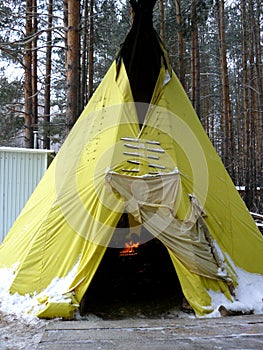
130	249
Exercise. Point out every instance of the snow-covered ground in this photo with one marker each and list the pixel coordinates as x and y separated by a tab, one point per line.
20	332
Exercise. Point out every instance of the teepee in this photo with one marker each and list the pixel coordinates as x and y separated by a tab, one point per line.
138	147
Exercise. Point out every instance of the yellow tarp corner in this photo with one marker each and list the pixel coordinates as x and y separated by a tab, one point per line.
64	308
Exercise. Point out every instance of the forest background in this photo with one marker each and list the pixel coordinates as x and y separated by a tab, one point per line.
54	53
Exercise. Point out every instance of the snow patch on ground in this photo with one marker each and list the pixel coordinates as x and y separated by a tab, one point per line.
249	295
28	305
19	328
20	331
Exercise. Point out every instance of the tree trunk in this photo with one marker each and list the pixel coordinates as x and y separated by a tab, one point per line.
179	21
34	76
46	138
259	83
73	63
195	61
83	94
228	146
28	78
91	49
65	20
245	99
162	29
253	115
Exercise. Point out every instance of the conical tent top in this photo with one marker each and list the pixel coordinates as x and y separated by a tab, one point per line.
141	52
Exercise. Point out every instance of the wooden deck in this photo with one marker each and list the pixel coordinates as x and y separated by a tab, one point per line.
237	332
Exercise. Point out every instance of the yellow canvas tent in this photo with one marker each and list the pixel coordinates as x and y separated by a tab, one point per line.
164	172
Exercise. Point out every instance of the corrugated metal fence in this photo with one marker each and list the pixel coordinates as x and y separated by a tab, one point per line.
20	171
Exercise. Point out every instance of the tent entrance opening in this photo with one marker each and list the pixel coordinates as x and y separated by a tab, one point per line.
137	279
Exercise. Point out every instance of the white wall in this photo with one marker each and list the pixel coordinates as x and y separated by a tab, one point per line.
21	170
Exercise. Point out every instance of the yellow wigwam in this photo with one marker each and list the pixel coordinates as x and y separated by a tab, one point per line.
163	171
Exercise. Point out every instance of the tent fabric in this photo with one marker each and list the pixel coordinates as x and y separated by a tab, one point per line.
152	201
64	229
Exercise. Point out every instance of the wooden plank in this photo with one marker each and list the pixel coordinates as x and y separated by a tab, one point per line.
134	345
130	323
229	332
234	342
162	333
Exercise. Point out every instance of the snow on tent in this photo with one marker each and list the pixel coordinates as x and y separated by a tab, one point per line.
156	164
